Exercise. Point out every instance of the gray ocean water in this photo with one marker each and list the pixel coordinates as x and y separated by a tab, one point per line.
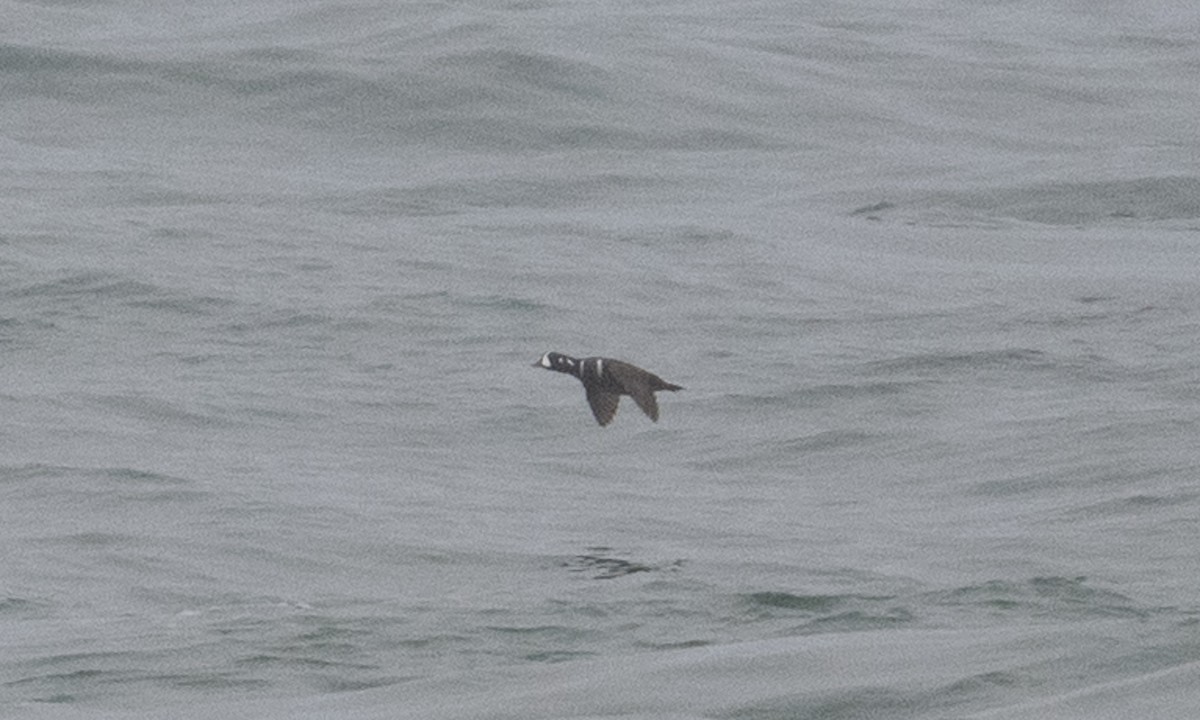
272	276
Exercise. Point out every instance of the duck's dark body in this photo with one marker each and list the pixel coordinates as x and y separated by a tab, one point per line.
605	380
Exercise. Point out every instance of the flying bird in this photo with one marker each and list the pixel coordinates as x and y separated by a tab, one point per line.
605	380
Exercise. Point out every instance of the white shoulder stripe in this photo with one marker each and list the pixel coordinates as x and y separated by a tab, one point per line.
599	367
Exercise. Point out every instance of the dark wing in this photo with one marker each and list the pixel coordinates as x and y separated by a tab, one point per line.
644	398
638	384
604	405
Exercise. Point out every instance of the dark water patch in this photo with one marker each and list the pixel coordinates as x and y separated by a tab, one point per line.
92	540
501	303
816	604
163	197
1058	320
84	294
779	452
1083	203
390	202
955	699
870	390
133	476
75	677
298	661
557	656
1153	501
524	192
196	359
192	234
587	103
1132	503
1073	203
218	683
600	563
693	237
12	606
824	613
873	211
821	395
769	323
753	403
476	98
160	412
821	442
545	641
332	642
117	475
937	364
858	620
110	485
976	685
1056	597
857	704
1089	313
1024	483
258	334
201	306
342	685
1083	474
495	71
46	72
325	634
441	642
1141	504
251	77
281	319
677	645
92	285
27	330
605	568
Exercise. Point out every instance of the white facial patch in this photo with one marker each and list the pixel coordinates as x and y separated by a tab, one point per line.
545	362
569	362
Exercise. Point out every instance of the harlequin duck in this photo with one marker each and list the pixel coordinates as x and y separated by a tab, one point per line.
606	380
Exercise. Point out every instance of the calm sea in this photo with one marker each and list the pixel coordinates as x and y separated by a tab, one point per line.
273	274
